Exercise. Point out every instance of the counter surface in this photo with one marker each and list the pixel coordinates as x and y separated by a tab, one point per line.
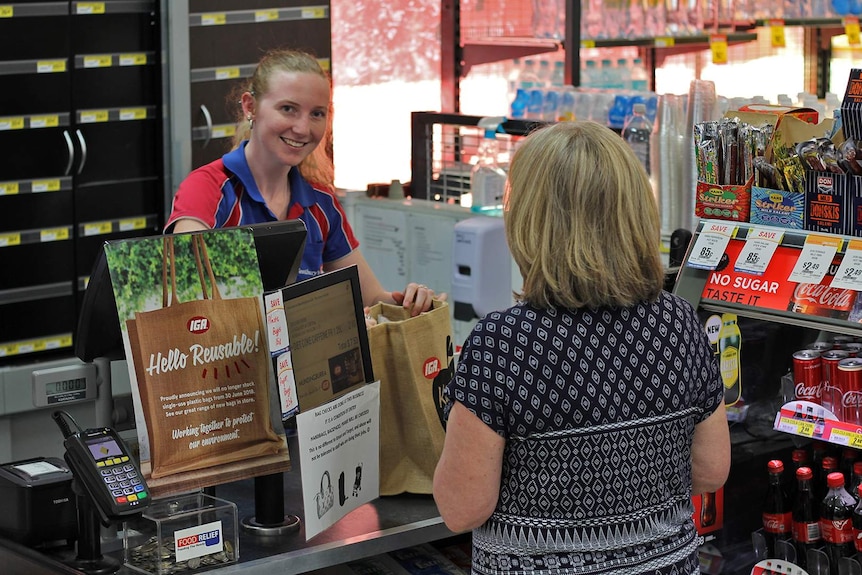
383	525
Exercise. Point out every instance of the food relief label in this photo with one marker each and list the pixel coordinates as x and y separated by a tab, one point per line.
198	541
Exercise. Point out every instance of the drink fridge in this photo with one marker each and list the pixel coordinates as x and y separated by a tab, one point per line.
784	323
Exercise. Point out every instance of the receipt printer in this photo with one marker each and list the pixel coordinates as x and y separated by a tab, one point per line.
37	505
482	275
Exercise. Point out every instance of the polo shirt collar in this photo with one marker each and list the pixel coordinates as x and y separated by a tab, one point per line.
300	190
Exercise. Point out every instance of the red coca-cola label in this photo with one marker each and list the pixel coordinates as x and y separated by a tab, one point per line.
777	522
837	530
852	399
824	296
857	543
808	392
806	531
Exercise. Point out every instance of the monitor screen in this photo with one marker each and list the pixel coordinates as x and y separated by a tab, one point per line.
328	339
279	247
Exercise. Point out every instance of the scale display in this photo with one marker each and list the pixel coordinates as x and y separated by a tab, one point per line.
64	385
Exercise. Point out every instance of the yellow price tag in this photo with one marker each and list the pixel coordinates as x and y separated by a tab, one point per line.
133	114
133	59
50	66
97	229
718	47
224	131
13	239
214	19
851	28
57	234
93	116
97	61
664	42
776	33
313	13
16	123
227	73
806	428
7	11
265	15
8	188
58	342
133	224
90	8
44	121
588	44
45	186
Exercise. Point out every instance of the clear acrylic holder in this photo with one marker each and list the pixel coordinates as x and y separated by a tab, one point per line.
817	561
182	534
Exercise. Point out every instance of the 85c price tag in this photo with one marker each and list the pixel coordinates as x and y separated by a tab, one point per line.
710	245
758	250
814	261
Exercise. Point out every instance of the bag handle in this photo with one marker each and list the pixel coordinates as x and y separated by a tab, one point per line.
168	256
328	482
202	261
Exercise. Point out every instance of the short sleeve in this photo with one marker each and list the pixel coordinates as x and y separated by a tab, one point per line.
707	382
479	381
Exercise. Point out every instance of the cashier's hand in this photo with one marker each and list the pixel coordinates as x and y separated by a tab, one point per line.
417	298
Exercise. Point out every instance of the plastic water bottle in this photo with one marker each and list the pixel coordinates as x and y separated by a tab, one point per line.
624	72
487	178
636	133
558	76
544	73
609	78
512	79
639	76
590	75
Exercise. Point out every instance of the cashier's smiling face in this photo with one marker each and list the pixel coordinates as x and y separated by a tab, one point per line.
290	118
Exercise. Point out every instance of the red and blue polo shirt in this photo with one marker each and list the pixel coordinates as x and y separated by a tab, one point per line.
223	193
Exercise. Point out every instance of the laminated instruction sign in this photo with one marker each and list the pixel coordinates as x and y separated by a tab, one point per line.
339	454
190	309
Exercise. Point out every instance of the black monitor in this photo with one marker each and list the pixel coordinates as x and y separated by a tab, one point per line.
279	247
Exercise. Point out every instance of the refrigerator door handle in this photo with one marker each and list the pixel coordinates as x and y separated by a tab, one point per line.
71	147
209	120
83	143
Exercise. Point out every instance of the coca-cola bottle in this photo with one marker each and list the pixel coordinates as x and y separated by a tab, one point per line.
799	458
856	480
777	511
806	521
708	510
857	521
827	466
836	521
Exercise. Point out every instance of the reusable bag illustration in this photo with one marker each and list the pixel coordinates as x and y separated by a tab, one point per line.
202	373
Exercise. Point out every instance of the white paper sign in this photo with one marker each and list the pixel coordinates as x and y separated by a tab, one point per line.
815	259
339	456
760	244
849	274
710	245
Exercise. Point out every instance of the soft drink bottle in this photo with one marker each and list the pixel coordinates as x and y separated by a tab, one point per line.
827	466
806	524
836	521
857	521
856	481
799	458
777	511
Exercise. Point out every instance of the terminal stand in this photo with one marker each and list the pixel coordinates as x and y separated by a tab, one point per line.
269	518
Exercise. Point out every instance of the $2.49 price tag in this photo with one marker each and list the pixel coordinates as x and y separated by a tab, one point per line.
760	244
710	245
814	261
849	274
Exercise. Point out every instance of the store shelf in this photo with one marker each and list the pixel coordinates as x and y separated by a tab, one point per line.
791	419
726	290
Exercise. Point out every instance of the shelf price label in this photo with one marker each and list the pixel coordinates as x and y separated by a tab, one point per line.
776	33
718	47
664	42
849	274
851	28
814	261
760	244
710	245
7	11
795	426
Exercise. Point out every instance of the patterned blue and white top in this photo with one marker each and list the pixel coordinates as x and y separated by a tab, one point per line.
598	409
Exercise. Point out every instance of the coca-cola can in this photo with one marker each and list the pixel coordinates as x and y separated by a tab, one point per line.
821	346
832	393
807	375
854	347
850	380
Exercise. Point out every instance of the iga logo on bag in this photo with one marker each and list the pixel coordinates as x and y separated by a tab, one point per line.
198	324
431	368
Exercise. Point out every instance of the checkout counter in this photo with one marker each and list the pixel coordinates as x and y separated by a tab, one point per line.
386	524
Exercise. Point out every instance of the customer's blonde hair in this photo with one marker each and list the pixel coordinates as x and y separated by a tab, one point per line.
581	219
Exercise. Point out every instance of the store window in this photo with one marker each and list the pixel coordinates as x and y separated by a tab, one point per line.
385	64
